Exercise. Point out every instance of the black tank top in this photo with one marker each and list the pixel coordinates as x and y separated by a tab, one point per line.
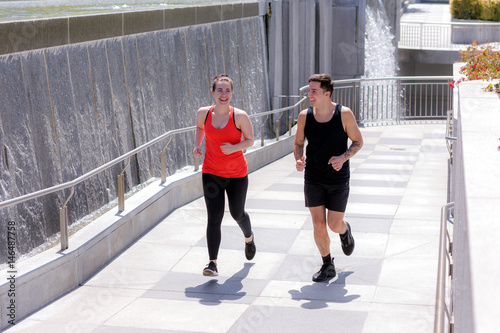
325	140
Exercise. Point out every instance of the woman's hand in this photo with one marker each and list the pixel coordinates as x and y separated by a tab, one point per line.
197	151
227	148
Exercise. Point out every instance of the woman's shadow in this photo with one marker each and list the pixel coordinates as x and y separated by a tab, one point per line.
319	294
213	293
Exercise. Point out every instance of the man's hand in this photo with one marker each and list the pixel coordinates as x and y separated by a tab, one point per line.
300	165
336	162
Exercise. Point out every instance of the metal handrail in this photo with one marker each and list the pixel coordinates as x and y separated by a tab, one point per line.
93	172
445	254
63	216
109	164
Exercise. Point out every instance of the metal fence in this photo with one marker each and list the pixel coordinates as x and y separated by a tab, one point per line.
446	36
396	99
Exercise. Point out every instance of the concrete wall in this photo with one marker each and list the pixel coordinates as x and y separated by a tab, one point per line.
486	32
475	291
38	34
95	87
307	37
427	62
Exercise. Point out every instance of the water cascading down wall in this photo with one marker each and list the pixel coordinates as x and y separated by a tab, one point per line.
78	92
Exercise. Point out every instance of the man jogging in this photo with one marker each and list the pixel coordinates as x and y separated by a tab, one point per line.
327	126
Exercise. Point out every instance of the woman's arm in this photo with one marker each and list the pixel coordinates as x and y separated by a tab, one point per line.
201	115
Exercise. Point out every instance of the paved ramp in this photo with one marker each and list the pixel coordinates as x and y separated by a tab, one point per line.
398	185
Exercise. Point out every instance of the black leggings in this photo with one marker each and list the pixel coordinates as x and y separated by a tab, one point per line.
213	190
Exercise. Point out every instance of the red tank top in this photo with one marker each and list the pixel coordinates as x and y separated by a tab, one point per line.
216	162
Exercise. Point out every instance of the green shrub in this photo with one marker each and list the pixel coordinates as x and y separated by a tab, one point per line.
491	10
488	10
466	9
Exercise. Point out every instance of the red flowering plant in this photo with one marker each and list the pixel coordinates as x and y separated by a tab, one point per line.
482	62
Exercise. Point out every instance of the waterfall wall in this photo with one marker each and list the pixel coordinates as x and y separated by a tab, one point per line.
320	36
78	92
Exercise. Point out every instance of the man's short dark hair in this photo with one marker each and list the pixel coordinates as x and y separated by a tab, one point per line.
325	82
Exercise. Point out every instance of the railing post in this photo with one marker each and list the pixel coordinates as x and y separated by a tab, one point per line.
262	135
163	160
353	102
63	221
441	308
163	166
121	192
121	188
277	130
421	35
63	226
196	165
398	102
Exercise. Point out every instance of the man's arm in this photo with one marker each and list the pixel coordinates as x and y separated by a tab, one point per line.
354	134
298	147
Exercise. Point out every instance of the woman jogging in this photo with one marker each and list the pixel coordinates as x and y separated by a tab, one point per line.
224	168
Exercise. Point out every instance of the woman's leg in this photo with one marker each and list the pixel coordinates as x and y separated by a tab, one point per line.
236	196
213	191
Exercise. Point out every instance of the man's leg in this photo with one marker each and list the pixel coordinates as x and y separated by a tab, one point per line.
322	240
321	236
336	222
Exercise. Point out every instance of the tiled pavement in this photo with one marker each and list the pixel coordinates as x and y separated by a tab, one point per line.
398	184
427	13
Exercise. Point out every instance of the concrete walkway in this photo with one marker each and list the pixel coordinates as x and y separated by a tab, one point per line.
427	13
398	185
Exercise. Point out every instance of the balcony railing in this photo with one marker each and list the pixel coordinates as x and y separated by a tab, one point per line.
446	36
396	99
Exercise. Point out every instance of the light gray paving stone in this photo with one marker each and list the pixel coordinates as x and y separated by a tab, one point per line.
156	285
284	319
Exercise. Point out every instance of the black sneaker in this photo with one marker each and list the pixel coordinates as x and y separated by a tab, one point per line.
211	269
250	249
347	241
326	271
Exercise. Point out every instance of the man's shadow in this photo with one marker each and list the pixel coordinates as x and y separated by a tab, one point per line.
213	293
319	294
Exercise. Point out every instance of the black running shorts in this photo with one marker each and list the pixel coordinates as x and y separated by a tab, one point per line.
333	197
